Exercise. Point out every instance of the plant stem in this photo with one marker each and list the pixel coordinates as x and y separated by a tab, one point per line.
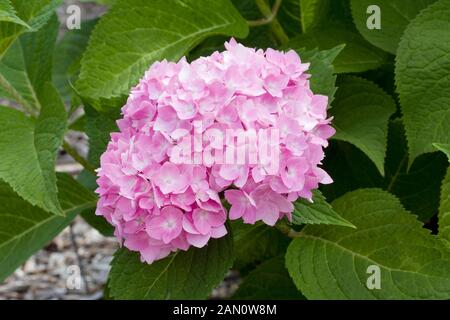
270	18
78	158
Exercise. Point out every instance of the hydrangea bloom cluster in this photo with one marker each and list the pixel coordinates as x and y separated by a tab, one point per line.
158	206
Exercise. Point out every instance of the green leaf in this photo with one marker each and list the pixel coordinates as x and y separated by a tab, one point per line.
313	12
417	188
323	79
357	56
361	115
24	228
188	274
395	16
28	150
99	223
269	280
34	15
120	50
445	148
99	126
350	169
318	212
254	243
9	14
316	14
67	58
444	209
79	124
27	66
422	79
289	17
331	262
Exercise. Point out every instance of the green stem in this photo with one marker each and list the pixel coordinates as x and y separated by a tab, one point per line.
286	229
78	158
270	16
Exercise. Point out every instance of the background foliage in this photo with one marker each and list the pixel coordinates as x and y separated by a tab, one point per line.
389	93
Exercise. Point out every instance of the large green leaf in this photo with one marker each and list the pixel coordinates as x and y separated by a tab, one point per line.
422	70
357	56
318	212
444	209
27	66
28	150
24	228
269	280
417	188
445	148
395	16
361	115
67	57
120	50
188	274
33	14
331	262
254	243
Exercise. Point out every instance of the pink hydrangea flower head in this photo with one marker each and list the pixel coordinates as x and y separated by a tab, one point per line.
159	204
